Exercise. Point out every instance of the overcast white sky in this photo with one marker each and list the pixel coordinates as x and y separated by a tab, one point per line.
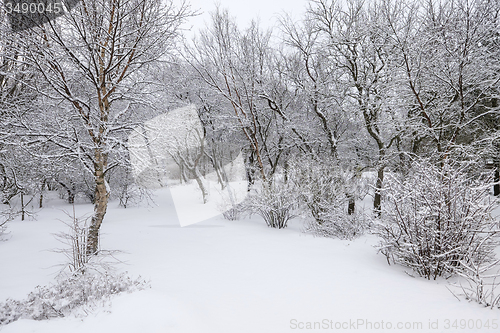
246	10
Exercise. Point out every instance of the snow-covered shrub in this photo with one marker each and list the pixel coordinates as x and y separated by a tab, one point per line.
481	283
342	226
3	228
437	220
131	195
124	187
7	214
86	281
77	294
326	193
275	202
234	213
78	258
74	184
76	240
479	280
232	204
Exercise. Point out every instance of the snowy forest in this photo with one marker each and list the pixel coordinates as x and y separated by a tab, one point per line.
353	147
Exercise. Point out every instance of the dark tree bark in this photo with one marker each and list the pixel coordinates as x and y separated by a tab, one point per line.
351	205
378	191
496	187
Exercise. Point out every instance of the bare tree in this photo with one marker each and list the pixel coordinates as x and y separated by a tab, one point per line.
449	69
321	89
188	156
93	62
358	43
234	63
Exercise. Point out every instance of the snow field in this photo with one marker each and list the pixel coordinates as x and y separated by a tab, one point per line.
229	276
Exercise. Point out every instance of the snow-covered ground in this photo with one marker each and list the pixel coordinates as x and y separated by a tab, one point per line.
233	276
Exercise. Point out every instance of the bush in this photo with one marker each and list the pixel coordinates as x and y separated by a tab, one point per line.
437	220
234	213
339	225
326	192
77	294
275	202
480	284
76	254
86	281
233	205
6	215
78	260
3	230
129	193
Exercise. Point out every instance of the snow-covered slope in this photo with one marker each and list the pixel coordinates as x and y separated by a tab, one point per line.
232	276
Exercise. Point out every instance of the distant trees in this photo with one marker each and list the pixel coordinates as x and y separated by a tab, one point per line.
448	62
411	77
320	92
423	76
18	174
358	46
235	64
352	85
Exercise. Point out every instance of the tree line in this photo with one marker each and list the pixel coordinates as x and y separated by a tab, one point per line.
351	87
